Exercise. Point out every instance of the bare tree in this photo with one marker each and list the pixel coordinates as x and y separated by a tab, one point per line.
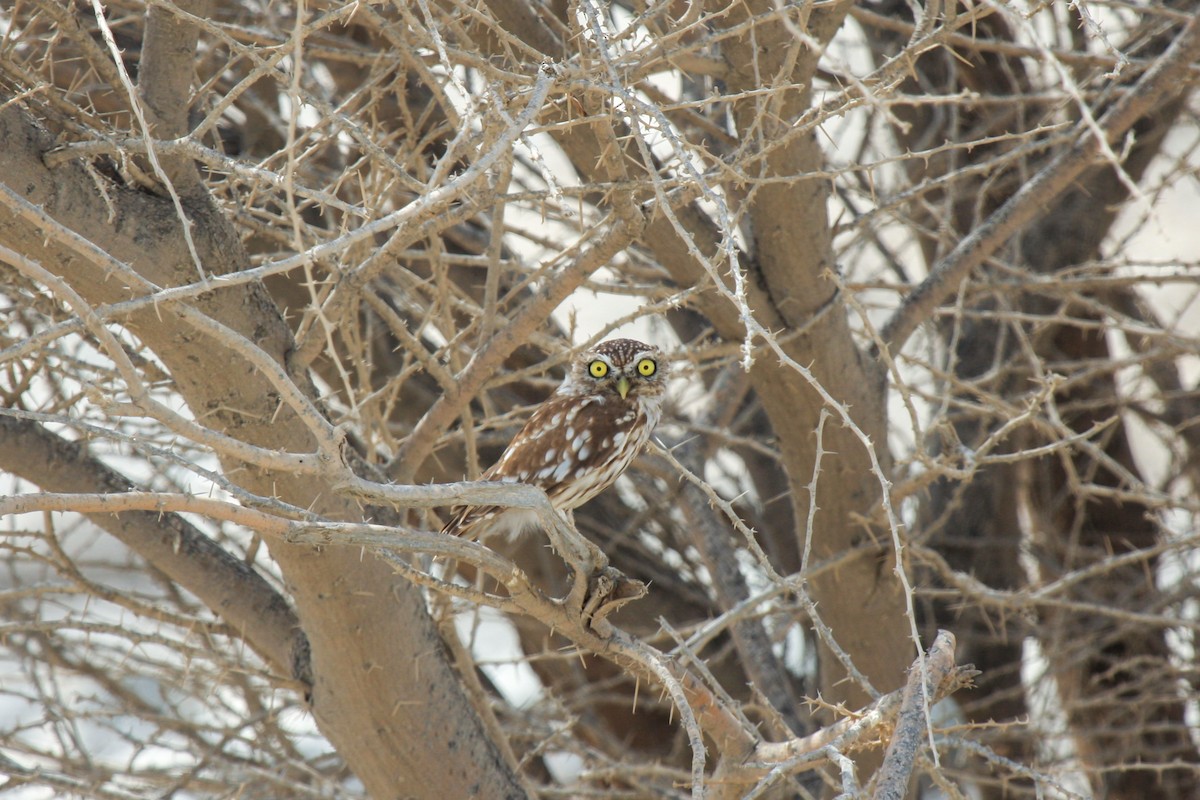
279	279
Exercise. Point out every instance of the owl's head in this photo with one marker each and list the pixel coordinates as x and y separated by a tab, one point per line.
625	367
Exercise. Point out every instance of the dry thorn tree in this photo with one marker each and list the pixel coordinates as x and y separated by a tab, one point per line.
279	278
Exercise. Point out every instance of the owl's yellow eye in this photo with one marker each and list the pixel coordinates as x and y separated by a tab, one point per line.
646	367
598	369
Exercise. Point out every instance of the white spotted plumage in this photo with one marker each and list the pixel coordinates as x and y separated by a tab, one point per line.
582	438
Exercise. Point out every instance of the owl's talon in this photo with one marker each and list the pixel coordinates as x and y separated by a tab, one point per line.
608	591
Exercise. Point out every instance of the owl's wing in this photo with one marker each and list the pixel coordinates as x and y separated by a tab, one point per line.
529	444
565	436
572	448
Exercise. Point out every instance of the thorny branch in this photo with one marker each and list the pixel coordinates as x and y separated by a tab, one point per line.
438	203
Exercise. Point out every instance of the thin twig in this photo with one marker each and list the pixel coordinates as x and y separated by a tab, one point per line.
1167	78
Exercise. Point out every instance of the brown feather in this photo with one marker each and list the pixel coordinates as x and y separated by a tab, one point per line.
580	440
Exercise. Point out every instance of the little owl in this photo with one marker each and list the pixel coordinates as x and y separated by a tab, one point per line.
580	440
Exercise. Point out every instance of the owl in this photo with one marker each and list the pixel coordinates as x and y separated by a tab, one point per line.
580	440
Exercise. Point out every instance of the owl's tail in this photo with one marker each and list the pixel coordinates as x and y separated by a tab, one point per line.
465	518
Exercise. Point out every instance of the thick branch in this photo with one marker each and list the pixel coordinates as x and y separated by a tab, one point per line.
165	77
378	664
167	541
925	680
1171	76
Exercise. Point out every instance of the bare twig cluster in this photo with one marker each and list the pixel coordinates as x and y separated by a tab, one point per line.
280	280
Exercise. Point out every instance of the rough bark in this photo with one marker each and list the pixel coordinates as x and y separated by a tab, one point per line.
392	724
233	590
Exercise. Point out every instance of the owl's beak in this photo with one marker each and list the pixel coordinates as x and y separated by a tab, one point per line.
623	386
